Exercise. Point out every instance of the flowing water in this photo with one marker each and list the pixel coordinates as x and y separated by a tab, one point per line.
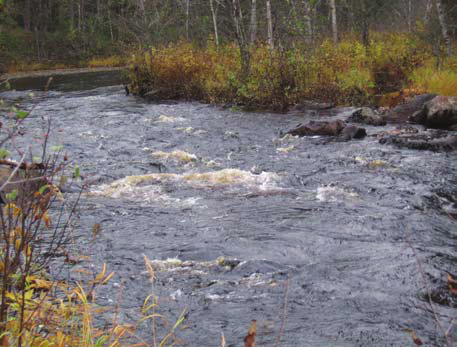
237	220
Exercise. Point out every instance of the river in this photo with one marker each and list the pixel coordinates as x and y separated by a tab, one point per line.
351	235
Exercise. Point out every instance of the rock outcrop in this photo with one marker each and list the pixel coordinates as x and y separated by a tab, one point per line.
401	113
313	128
366	115
337	129
438	141
439	113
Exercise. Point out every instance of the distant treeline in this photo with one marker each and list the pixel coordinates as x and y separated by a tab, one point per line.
75	29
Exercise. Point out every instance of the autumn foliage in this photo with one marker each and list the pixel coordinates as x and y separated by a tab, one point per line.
350	73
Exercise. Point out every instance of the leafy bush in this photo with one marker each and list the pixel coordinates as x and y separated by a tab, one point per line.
349	73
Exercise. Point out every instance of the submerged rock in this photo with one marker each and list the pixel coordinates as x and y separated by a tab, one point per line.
312	105
335	128
438	141
314	128
352	132
440	113
367	116
401	113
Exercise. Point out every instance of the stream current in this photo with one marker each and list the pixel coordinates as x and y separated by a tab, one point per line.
355	233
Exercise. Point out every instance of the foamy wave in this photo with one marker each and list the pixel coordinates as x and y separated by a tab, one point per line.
148	187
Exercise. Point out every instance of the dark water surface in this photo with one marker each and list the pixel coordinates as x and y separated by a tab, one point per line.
338	219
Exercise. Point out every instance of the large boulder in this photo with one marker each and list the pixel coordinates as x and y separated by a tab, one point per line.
439	113
313	128
366	115
401	113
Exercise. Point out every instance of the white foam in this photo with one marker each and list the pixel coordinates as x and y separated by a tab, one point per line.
335	194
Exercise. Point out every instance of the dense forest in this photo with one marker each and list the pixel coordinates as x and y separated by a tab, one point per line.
76	29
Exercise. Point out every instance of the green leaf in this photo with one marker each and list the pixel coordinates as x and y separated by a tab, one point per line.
77	172
43	188
36	159
12	196
56	148
4	153
22	114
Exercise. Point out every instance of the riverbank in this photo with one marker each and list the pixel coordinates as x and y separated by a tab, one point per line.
347	74
64	79
57	71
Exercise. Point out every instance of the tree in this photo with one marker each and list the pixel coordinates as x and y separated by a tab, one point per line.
444	28
334	23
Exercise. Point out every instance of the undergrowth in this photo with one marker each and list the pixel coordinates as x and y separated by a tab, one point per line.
347	74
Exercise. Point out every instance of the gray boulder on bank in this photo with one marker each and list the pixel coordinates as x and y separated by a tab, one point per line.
439	112
366	115
401	113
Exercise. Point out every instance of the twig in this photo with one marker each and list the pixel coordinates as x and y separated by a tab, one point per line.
12	173
429	293
284	313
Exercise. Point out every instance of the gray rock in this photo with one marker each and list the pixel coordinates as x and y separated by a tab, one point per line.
366	115
440	113
437	141
313	128
352	132
401	113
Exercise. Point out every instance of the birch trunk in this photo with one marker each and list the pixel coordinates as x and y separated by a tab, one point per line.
187	19
444	28
309	25
334	23
253	25
214	15
270	26
428	11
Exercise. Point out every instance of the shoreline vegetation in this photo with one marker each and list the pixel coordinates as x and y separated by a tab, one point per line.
391	68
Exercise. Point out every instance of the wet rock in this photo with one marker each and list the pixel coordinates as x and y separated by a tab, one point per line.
401	130
437	141
352	132
313	128
312	105
440	113
401	113
442	296
366	115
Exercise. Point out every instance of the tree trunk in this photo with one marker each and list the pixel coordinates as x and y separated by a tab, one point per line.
71	13
410	16
253	26
187	18
141	10
27	15
334	23
270	26
214	15
241	39
443	24
308	23
428	12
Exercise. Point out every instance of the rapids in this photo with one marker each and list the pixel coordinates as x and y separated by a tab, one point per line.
231	213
